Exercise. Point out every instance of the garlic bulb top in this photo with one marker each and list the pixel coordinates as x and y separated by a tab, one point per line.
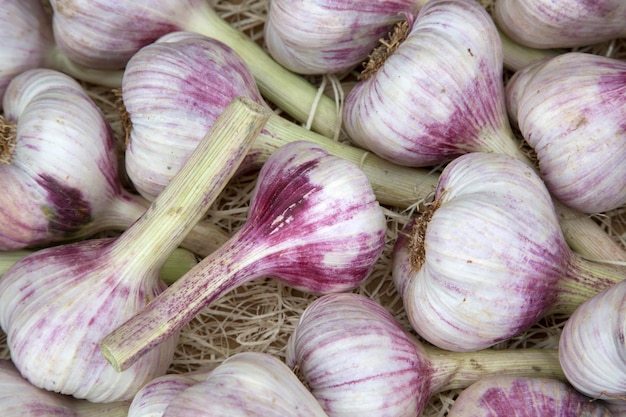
18	397
561	23
25	35
571	110
489	259
503	395
171	104
440	94
592	350
247	384
328	36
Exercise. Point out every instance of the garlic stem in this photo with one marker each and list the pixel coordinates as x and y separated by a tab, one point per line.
179	262
288	91
57	60
454	370
393	184
194	188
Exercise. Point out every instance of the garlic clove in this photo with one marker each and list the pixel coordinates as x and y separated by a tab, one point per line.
247	384
440	94
571	110
326	36
592	350
561	23
154	397
504	395
18	397
489	259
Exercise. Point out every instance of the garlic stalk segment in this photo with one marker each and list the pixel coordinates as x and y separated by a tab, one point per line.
571	110
131	25
248	384
313	223
561	23
357	359
28	42
592	350
18	397
166	130
504	395
57	304
489	259
58	167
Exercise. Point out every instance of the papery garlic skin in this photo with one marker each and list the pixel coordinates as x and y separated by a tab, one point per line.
561	23
26	35
247	384
494	255
592	348
571	109
356	386
45	200
511	396
55	340
328	36
170	109
440	94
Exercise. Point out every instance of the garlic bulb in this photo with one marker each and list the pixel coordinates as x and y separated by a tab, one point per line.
488	259
84	38
27	43
313	223
58	303
59	169
592	350
439	95
571	110
358	360
247	384
154	397
165	131
328	36
561	23
18	397
504	395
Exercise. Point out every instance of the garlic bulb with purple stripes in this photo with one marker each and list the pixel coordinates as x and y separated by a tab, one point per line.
571	110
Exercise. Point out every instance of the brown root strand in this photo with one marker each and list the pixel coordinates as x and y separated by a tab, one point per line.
8	136
417	238
379	55
125	121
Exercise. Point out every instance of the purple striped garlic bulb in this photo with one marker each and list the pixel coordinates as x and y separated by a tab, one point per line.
328	36
561	23
488	258
592	347
503	395
439	95
571	109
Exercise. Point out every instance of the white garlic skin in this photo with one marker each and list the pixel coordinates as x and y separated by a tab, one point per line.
45	200
440	94
561	23
357	360
502	395
247	384
25	36
328	36
83	38
58	303
494	255
170	105
592	347
154	397
571	110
